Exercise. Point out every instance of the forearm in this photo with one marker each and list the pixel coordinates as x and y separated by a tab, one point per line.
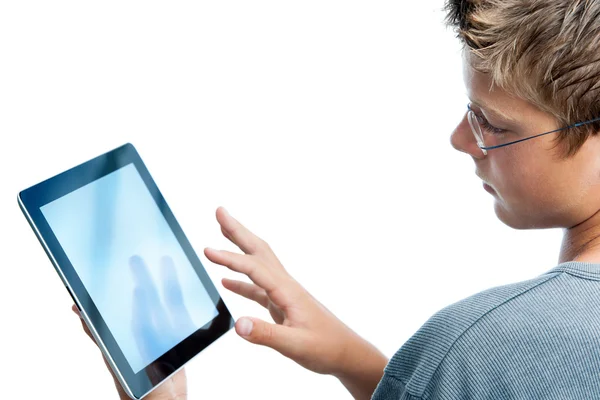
362	368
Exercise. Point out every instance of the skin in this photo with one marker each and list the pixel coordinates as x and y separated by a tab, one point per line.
304	330
174	388
533	188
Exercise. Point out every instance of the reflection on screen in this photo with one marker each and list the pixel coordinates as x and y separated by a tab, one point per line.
132	265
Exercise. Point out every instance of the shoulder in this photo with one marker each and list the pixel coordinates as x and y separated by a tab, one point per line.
415	364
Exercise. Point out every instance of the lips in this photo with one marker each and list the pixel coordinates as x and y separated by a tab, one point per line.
488	188
486	185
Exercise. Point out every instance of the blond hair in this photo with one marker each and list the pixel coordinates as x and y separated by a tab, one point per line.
546	52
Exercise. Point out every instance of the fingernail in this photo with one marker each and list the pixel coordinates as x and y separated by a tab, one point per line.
226	212
245	326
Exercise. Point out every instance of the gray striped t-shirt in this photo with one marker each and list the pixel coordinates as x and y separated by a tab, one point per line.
537	339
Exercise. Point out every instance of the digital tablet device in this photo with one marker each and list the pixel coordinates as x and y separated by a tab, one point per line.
140	287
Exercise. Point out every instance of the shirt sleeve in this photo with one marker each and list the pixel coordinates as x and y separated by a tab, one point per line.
391	388
414	372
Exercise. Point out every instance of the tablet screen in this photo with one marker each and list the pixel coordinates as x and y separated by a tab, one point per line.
131	264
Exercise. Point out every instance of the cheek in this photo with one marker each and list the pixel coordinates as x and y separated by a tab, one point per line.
505	171
533	193
523	184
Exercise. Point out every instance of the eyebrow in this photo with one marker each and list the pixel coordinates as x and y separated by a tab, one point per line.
495	112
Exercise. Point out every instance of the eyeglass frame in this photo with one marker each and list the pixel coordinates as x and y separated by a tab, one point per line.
471	114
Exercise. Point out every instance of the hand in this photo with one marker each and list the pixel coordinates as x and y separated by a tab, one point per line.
305	331
174	388
156	325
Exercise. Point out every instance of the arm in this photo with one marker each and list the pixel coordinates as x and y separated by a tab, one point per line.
304	330
362	368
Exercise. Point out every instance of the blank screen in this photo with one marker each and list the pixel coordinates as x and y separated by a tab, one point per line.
131	264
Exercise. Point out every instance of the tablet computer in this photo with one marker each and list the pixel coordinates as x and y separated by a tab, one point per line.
140	287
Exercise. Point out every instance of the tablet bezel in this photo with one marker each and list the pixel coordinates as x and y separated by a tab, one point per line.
137	385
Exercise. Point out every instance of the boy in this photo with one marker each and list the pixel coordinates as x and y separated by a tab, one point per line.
532	73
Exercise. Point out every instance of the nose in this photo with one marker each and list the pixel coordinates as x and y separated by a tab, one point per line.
462	139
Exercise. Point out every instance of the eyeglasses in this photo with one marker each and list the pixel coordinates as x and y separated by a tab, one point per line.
484	132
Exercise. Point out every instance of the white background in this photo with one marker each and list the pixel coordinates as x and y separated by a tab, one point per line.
323	126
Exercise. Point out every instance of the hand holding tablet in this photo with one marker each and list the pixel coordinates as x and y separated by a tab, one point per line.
173	388
141	289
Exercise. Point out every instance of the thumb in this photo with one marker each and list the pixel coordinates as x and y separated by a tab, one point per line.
278	337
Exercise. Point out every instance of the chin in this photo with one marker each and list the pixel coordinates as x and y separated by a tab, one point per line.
515	220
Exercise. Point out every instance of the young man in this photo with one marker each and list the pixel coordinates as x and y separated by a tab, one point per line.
532	73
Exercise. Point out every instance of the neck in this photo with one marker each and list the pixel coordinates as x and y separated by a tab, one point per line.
582	242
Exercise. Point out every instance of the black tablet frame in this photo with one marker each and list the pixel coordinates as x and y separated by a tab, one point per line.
137	385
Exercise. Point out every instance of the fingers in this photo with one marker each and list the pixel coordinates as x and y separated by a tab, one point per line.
286	340
244	264
227	235
122	393
83	324
247	290
247	241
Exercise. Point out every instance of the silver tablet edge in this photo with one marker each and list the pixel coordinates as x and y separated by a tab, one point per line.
81	311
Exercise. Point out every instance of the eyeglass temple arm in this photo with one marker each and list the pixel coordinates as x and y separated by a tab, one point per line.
541	134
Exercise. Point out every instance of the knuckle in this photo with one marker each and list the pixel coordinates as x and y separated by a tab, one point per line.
263	245
267	333
248	268
252	248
